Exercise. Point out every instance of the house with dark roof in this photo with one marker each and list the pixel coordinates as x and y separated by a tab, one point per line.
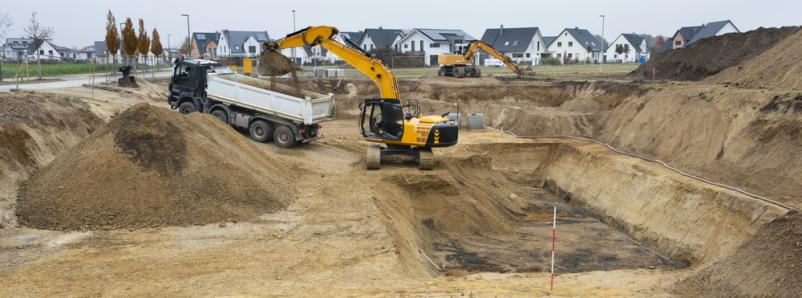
689	35
575	45
380	38
523	45
204	45
430	43
238	44
627	48
16	48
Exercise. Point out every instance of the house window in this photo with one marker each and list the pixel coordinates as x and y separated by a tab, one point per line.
413	45
559	44
517	55
406	46
434	45
528	55
538	46
421	45
372	47
678	43
41	52
570	44
252	49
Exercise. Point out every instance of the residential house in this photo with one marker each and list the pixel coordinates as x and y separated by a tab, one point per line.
380	38
16	48
204	45
689	35
575	46
347	38
238	44
47	51
633	49
86	53
65	52
430	43
102	54
523	45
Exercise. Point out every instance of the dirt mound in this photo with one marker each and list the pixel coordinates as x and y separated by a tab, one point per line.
768	265
712	55
779	67
153	167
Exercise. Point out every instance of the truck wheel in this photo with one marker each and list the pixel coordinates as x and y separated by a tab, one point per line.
284	137
373	158
221	114
186	107
260	131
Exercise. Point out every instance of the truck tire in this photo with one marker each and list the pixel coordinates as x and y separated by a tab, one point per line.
373	159
220	114
187	107
284	137
260	131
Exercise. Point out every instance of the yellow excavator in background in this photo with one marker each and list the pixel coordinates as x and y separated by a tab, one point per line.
461	65
389	126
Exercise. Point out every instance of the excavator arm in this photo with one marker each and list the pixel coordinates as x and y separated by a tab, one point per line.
324	36
477	45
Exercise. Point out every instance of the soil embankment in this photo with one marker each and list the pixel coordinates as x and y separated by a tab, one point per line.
153	167
712	55
778	68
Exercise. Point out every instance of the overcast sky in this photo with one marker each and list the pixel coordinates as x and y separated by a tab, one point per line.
79	23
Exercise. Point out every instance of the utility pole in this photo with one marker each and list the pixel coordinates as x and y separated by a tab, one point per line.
601	48
293	30
189	36
122	45
169	58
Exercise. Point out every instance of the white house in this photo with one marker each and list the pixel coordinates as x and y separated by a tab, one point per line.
380	38
575	46
688	35
432	42
237	44
523	45
633	49
18	48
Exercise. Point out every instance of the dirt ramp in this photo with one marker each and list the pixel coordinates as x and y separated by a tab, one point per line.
768	265
779	67
712	55
152	167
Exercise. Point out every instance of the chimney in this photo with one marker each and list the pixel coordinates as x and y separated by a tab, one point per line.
501	29
380	27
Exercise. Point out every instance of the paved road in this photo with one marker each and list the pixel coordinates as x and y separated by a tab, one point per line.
68	81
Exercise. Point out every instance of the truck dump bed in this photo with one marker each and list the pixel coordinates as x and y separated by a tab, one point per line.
255	94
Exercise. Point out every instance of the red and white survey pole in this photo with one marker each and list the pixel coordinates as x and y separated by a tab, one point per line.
553	246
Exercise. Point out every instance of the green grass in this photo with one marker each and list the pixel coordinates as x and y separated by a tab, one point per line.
561	72
10	70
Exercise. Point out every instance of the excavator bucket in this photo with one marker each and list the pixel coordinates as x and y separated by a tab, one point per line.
274	64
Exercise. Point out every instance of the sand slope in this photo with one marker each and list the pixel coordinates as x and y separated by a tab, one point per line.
779	67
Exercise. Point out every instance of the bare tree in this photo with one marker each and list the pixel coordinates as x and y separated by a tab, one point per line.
129	40
5	25
38	34
143	41
112	37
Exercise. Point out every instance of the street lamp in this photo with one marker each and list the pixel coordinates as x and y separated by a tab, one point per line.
189	37
601	48
168	49
293	30
122	43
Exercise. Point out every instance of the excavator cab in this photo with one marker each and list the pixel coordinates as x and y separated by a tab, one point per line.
382	119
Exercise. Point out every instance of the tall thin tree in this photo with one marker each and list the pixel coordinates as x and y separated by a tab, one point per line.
143	41
129	40
112	37
38	34
156	44
5	25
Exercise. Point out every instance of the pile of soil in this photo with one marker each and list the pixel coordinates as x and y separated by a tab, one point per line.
712	55
768	265
779	67
152	167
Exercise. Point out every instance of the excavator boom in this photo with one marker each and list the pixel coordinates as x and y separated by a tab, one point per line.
477	45
324	36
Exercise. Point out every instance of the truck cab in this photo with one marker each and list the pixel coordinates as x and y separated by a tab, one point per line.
188	85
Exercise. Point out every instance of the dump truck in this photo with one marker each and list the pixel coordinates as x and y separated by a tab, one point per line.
267	110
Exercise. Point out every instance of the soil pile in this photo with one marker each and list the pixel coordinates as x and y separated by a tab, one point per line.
779	67
153	167
768	265
712	55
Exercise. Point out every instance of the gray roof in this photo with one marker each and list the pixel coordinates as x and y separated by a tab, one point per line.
204	37
689	32
634	39
354	37
585	38
382	38
101	49
445	34
18	44
508	40
549	39
710	30
237	38
667	45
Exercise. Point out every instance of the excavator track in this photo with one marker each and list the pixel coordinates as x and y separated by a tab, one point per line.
425	159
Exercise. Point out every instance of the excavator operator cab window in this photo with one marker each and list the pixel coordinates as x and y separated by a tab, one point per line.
382	120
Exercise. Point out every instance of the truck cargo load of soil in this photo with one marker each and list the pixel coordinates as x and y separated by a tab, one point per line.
152	167
712	55
779	67
768	265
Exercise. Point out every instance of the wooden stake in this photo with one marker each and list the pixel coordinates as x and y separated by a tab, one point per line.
553	246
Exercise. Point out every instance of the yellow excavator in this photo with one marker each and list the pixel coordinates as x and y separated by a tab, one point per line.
390	126
461	65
